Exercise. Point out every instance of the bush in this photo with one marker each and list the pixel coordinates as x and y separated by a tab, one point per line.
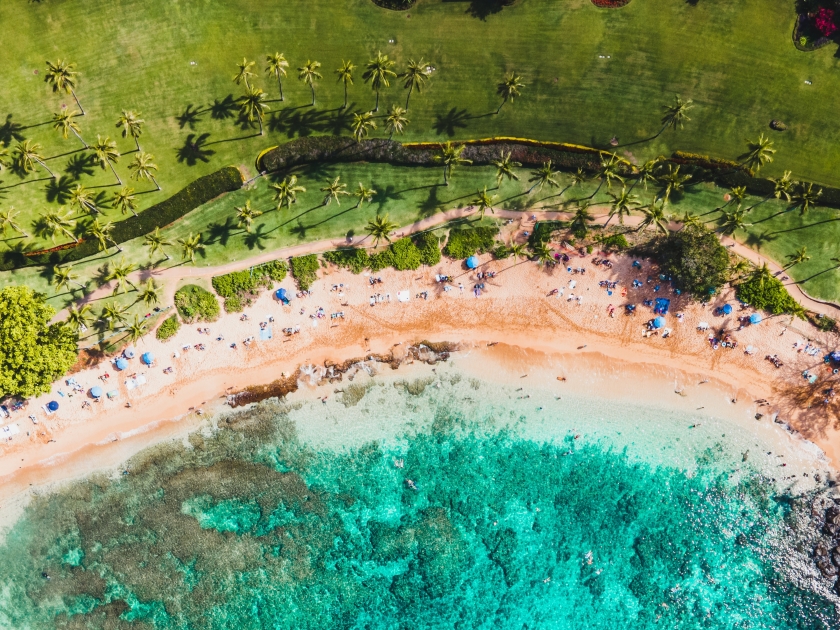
239	283
763	291
405	255
305	270
395	5
354	259
162	214
825	323
196	304
542	232
695	259
429	247
614	242
233	304
501	251
464	242
168	328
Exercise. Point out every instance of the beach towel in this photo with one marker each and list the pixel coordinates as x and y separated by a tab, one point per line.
403	296
265	334
113	394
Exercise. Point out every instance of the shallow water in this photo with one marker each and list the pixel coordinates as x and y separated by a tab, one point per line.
296	516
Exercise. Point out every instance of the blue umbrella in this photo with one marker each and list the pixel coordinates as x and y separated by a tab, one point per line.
148	358
659	322
52	405
281	294
96	391
755	318
472	262
835	355
727	309
121	364
129	353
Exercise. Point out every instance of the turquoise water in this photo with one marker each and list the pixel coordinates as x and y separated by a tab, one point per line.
296	516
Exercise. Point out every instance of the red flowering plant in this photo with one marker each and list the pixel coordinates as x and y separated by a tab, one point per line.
824	21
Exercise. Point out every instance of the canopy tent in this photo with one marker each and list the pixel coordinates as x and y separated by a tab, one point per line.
703	326
121	364
835	356
96	391
755	318
129	353
52	405
659	322
148	358
727	309
472	262
661	306
282	295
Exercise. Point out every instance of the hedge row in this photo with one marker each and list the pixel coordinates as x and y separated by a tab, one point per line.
196	304
162	214
305	270
406	253
321	149
464	242
248	281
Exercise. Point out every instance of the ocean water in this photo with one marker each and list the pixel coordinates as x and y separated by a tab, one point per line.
522	511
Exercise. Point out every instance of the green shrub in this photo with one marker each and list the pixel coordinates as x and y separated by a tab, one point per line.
168	328
825	323
162	214
543	230
196	304
305	270
239	282
501	251
381	260
233	304
763	291
354	259
405	255
464	242
695	259
614	242
429	247
276	270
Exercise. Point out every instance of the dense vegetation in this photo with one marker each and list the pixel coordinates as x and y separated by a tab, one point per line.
168	328
464	242
695	259
763	291
239	288
195	304
305	270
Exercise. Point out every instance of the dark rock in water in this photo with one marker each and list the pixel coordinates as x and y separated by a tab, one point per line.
778	125
835	557
831	529
821	550
826	568
741	539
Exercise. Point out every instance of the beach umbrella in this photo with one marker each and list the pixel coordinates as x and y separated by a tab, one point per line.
755	318
835	355
129	353
148	358
472	262
121	364
282	295
727	309
52	405
659	322
96	391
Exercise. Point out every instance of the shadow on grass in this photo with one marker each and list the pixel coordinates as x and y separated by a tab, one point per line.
195	150
81	164
189	117
804	227
448	123
10	131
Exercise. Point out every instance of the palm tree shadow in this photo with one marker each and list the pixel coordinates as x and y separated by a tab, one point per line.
10	131
756	240
256	238
189	117
195	150
772	216
331	217
811	277
382	197
58	190
338	123
295	218
449	122
81	164
224	109
804	227
431	205
300	230
220	232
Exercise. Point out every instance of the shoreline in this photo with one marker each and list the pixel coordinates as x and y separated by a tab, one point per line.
515	311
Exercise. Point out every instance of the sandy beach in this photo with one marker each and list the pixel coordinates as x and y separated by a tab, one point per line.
522	315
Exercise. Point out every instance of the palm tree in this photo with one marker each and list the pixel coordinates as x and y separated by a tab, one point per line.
142	167
450	157
7	220
363	194
377	73
740	268
252	105
396	121
345	75
687	220
675	115
783	187
334	191
82	197
137	329
189	246
150	293
580	220
125	200
380	228
63	277
275	65
672	182
504	168
805	197
63	122
107	154
542	176
517	251
798	257
119	272
4	157
646	173
131	125
102	233
309	74
543	254
575	179
156	242
26	154
244	72
654	216
246	215
622	205
415	75
362	124
113	312
484	202
509	88
608	172
58	222
61	75
287	191
732	222
759	152
77	317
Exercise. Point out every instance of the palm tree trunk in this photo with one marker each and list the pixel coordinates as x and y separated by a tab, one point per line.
76	133
114	171
47	168
446	175
137	143
312	87
376	109
410	89
596	190
259	119
345	95
502	105
280	85
71	235
79	284
81	109
155	182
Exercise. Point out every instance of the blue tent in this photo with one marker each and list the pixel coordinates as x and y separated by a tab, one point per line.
472	262
121	364
52	405
129	353
727	309
755	318
835	356
96	391
148	358
662	305
659	322
282	295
